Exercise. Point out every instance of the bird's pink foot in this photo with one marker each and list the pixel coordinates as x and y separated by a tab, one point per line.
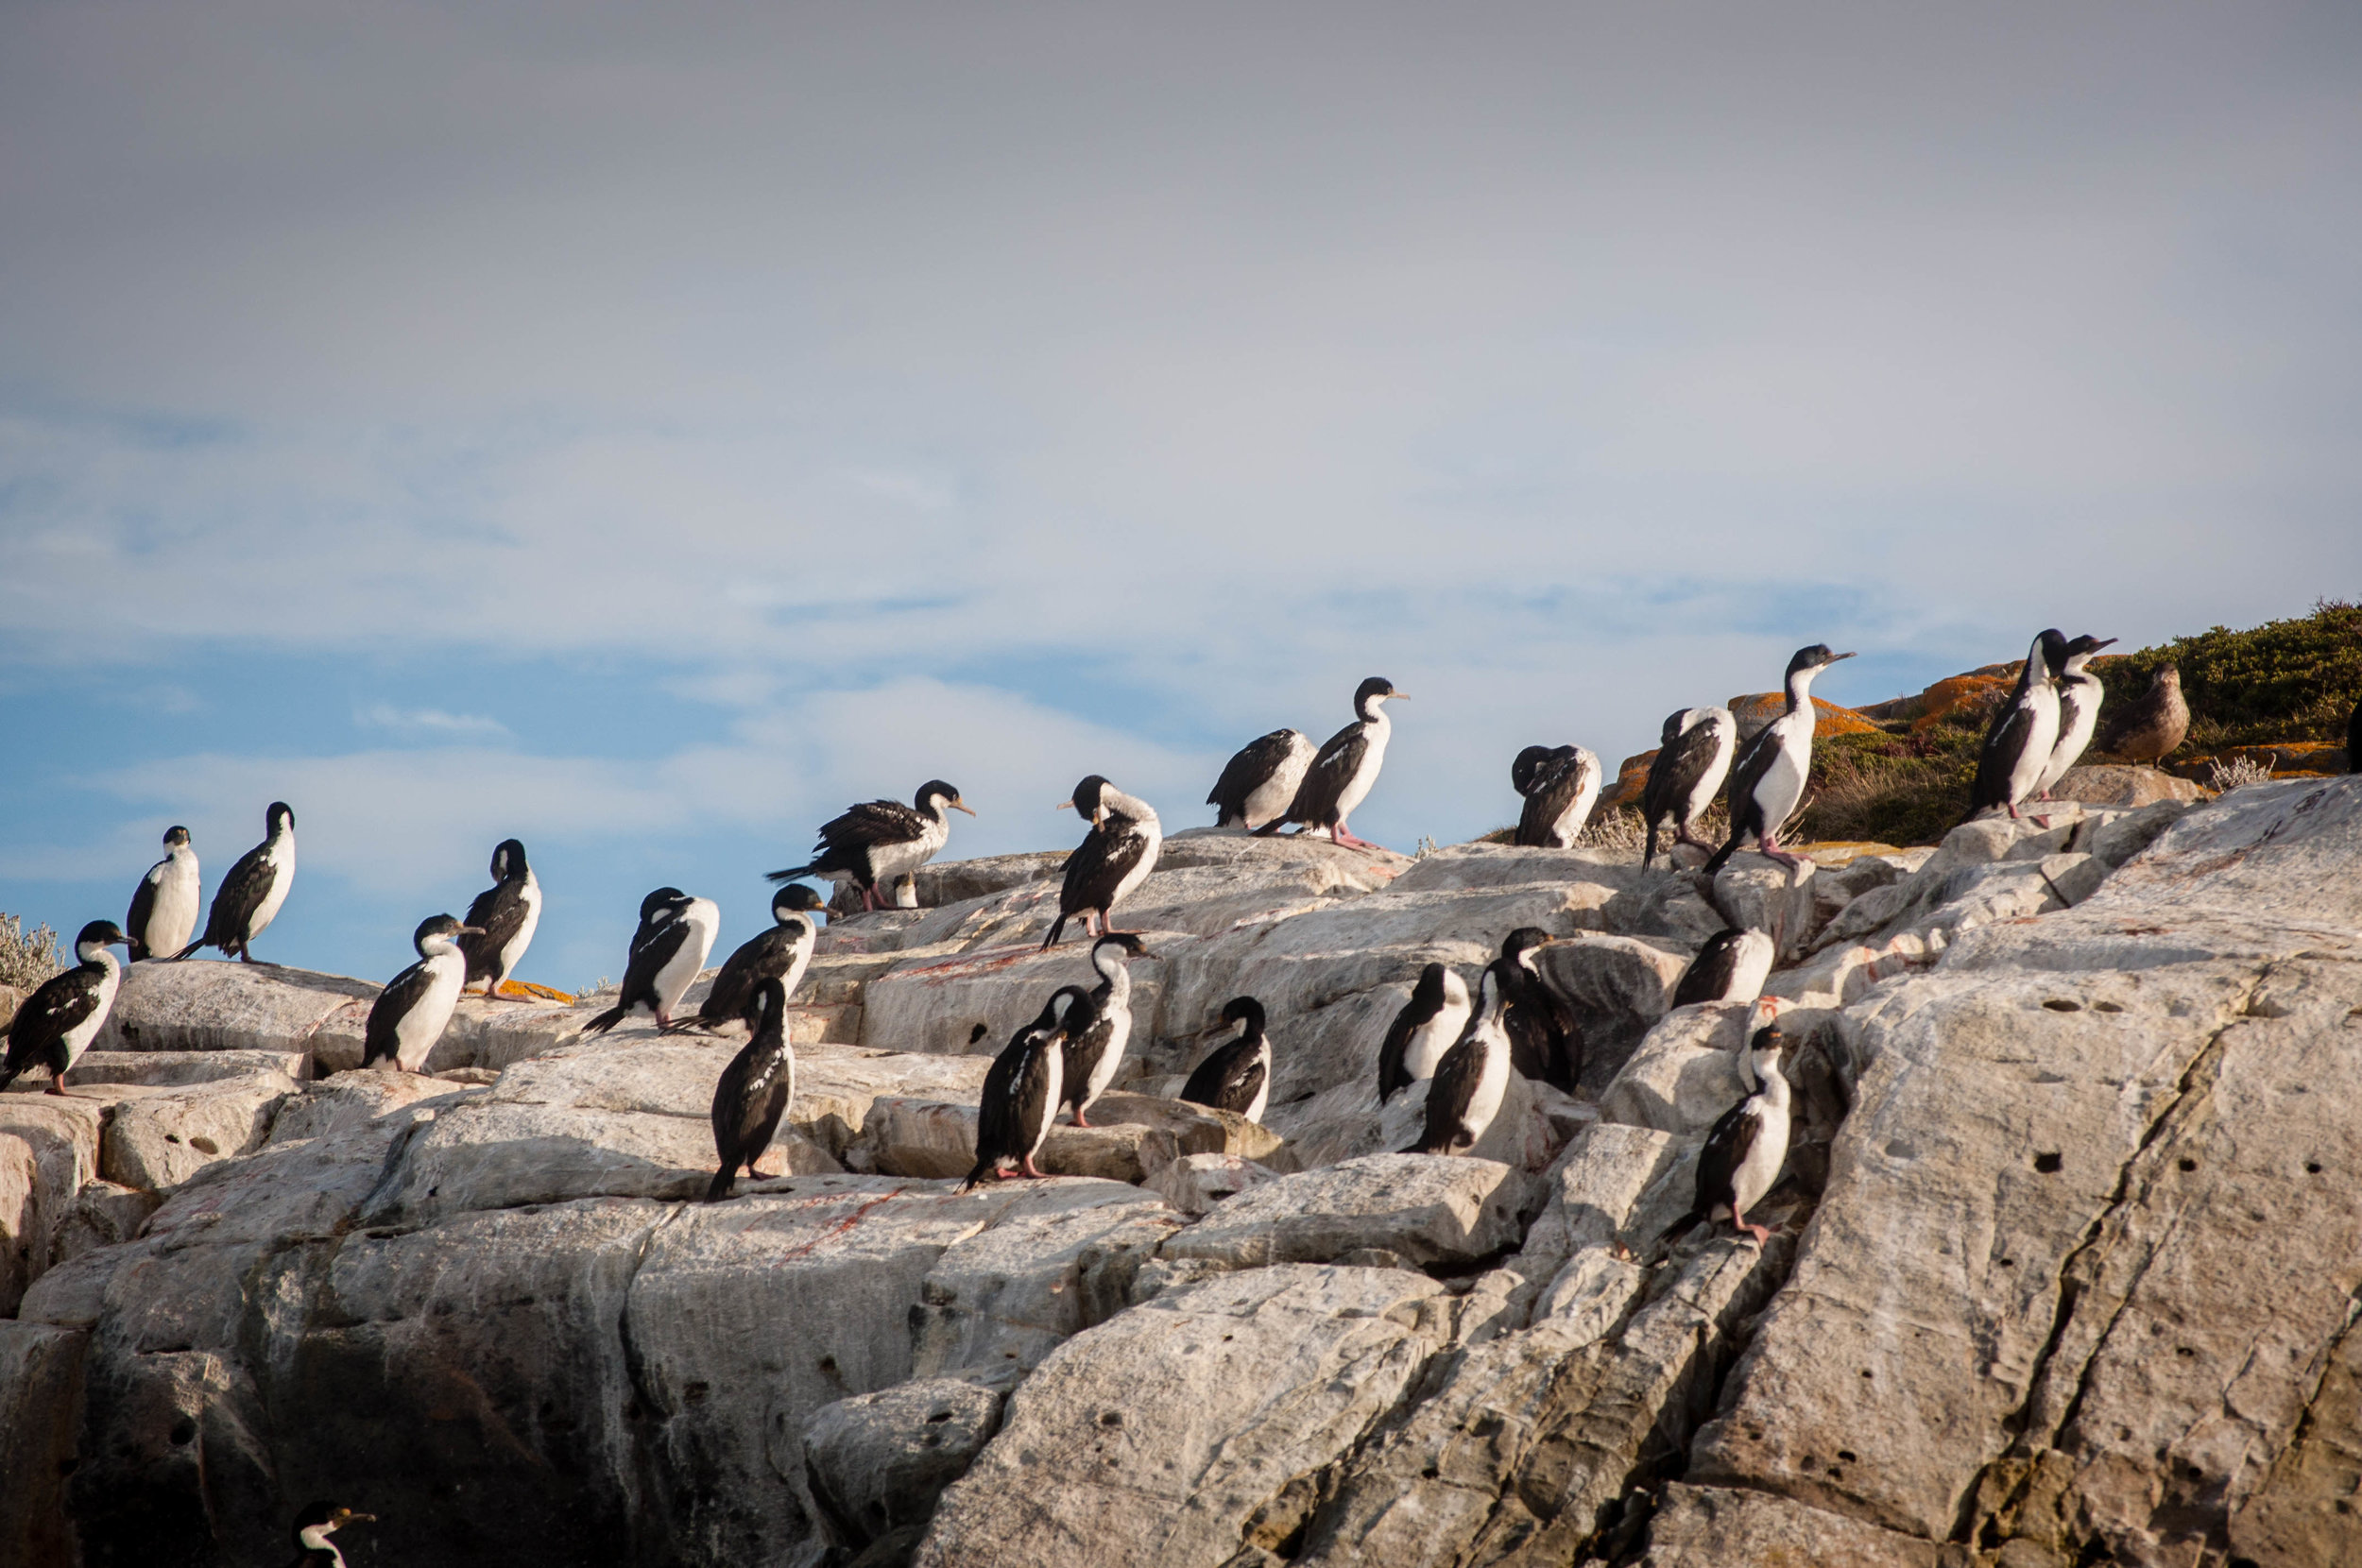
1079	1121
1031	1170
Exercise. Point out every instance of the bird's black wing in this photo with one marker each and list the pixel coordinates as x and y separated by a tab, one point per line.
1257	762
870	823
1228	1079
2003	742
1680	762
1755	760
1099	863
393	1004
995	1118
47	1017
500	912
1561	779
1449	1095
234	902
1725	1151
766	955
1390	1075
648	961
1708	976
143	909
1325	779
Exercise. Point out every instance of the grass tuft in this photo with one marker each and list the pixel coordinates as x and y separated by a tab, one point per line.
26	958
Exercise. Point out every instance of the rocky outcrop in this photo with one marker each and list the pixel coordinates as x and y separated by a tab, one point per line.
2062	1269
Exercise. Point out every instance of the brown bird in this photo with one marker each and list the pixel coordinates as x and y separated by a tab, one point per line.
2152	724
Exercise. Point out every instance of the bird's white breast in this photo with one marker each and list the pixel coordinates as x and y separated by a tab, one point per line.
1765	1154
2042	735
1492	1084
1276	794
281	857
1262	1095
1154	832
1783	783
1751	966
890	862
1725	741
1568	827
1373	756
1117	1011
418	1030
77	1040
2078	717
1424	1052
173	919
1053	1066
513	952
703	919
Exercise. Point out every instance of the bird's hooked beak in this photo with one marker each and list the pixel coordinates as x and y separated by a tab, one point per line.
2103	642
470	930
1397	696
960	806
1834	658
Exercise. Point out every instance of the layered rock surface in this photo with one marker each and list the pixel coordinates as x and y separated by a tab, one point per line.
2063	1269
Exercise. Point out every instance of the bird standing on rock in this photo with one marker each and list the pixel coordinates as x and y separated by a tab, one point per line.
1113	859
1768	781
1731	967
1745	1152
1095	1050
248	898
1545	1041
781	953
675	933
1428	1025
2152	724
2023	732
882	841
503	916
755	1089
1559	786
1693	757
1341	777
56	1023
1260	781
165	905
1236	1077
1023	1089
1472	1077
411	1014
2079	694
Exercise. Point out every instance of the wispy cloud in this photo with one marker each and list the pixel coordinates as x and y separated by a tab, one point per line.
429	722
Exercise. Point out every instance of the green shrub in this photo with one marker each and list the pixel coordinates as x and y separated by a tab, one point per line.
2285	680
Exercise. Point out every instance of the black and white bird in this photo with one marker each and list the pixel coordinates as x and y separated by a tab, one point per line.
1428	1025
1024	1088
1768	780
2023	732
675	933
1340	775
1731	967
2080	693
1744	1152
411	1014
755	1089
248	898
1693	757
781	953
1559	786
1094	1050
1236	1076
503	916
313	1527
165	905
56	1023
1113	859
1545	1041
1470	1082
1261	783
880	841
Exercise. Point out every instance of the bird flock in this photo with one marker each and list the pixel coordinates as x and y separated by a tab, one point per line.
1463	1044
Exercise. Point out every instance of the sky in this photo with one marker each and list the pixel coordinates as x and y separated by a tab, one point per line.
643	431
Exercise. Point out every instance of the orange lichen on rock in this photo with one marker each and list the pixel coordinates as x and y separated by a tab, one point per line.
1958	691
1755	712
1630	779
526	990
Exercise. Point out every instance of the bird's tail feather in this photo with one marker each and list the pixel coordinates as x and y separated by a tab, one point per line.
8	1075
1270	828
188	951
984	1169
724	1180
606	1020
1648	856
787	876
1721	856
1058	929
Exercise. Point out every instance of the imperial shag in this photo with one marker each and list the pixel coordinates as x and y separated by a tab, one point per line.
1260	781
1465	1094
1115	858
1236	1077
1094	1050
755	1088
1341	777
2023	730
1428	1025
1748	1146
1731	967
781	953
1023	1089
1560	787
675	933
1768	781
56	1023
411	1014
313	1527
1693	758
248	898
878	843
2079	694
503	916
1545	1041
165	905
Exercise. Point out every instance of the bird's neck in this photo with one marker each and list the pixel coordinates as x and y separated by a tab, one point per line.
1800	690
1119	978
96	957
1373	711
1771	1084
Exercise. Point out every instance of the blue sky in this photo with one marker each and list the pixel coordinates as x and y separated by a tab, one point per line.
643	434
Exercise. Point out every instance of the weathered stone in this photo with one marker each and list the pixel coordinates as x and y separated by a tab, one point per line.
1760	893
160	1141
103	1214
1171	1433
1427	1208
41	1411
205	1006
48	1148
1193	1184
1619	987
180	1069
2123	787
2122	835
335	1106
994	1305
878	1462
1715	1527
1686	1073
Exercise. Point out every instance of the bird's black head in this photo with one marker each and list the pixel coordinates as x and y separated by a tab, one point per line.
1244	1010
1528	765
767	1004
1429	991
1524	939
1770	1041
662	899
1133	946
2053	644
1087	796
1367	695
935	789
437	928
796	899
1056	1011
175	836
1675	724
99	933
278	819
1818	656
2081	647
509	860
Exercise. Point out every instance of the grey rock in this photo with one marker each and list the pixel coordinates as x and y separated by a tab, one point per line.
1425	1207
159	1141
878	1462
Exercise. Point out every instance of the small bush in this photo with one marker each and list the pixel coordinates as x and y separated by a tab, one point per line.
26	958
2285	680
